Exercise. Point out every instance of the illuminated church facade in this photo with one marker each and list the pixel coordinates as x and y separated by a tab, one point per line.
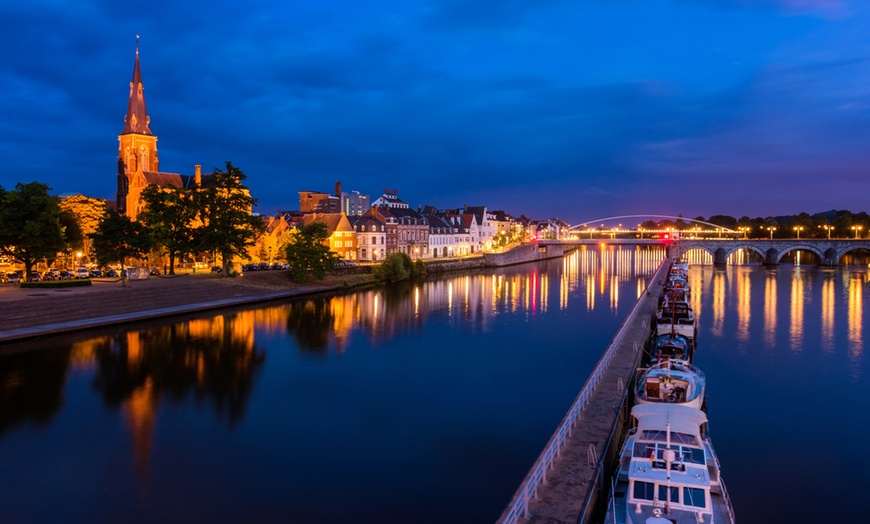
138	162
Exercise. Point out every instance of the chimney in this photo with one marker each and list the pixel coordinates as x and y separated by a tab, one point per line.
338	189
197	175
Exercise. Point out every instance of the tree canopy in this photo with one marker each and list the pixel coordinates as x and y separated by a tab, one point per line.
307	250
227	226
31	225
169	214
118	238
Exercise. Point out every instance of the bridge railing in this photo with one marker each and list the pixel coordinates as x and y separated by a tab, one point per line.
528	491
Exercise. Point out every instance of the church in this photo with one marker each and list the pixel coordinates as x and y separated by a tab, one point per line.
138	163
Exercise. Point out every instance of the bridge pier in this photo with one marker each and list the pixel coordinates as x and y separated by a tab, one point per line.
720	257
771	257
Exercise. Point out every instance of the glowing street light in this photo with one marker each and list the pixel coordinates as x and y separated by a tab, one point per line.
771	229
857	230
798	229
828	229
744	230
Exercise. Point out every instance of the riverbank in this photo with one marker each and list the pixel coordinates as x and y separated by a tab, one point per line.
30	313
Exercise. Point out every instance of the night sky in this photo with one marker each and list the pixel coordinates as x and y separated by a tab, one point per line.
576	109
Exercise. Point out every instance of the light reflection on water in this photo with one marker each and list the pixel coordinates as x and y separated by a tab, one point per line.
378	403
782	349
368	406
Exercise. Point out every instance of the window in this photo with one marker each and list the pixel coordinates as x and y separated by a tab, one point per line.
663	493
643	490
694	497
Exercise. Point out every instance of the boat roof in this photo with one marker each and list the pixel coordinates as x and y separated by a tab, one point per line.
683	419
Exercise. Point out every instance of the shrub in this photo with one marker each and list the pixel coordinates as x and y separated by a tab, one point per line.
397	266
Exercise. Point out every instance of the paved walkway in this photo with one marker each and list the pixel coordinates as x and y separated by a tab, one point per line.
27	313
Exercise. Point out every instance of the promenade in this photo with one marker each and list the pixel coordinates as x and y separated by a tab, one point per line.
28	313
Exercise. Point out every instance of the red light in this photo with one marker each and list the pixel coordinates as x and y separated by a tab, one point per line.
666	236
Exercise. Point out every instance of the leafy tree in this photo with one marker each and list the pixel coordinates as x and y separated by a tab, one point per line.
308	250
118	238
31	226
169	214
224	209
86	213
398	266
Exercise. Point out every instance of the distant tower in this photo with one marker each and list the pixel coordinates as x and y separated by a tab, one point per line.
137	148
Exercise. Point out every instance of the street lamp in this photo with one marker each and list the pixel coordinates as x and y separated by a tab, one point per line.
857	230
744	230
828	229
798	229
771	229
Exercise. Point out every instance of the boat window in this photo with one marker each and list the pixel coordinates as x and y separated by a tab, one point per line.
694	497
676	437
643	490
675	494
683	454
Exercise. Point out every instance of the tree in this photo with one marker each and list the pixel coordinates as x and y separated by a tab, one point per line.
398	266
118	238
31	226
87	213
307	250
169	214
224	210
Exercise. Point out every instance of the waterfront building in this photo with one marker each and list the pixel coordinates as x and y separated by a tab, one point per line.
371	234
342	238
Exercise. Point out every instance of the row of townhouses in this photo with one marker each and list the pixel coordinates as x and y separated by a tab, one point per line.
369	232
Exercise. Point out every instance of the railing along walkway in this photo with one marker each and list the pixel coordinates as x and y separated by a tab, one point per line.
559	486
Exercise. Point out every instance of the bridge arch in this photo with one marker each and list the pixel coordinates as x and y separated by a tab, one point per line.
849	249
802	247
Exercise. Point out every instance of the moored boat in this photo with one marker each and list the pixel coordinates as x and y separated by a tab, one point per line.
676	317
673	381
671	345
668	470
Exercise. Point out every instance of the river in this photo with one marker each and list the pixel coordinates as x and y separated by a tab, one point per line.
421	403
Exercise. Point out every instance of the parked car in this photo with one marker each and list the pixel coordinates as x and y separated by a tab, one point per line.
35	276
66	275
154	272
277	265
96	273
14	277
216	269
82	272
111	273
264	266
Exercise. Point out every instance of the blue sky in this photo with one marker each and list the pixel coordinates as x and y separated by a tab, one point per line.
576	109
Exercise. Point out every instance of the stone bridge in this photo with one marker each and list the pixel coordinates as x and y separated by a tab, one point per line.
828	251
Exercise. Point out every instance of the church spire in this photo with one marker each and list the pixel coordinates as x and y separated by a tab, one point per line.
137	118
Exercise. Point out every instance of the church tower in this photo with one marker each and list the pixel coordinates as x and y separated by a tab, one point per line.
137	150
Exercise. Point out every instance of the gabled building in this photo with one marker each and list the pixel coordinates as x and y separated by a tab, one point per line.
412	233
371	234
342	238
390	199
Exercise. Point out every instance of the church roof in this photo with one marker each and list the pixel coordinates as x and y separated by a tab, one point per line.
137	119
